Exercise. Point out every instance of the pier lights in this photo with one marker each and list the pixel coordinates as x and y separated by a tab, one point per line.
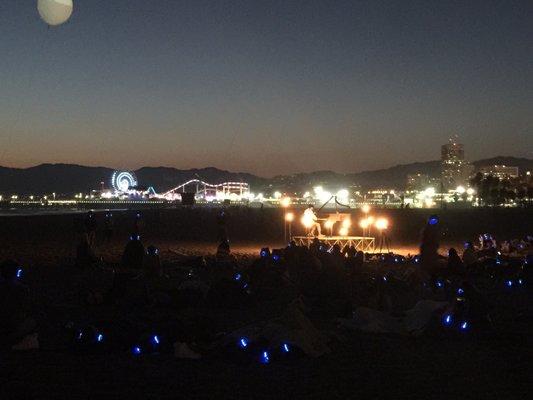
285	202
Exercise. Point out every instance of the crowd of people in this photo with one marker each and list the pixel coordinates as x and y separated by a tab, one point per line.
385	292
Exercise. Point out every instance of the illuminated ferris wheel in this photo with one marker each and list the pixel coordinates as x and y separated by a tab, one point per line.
122	181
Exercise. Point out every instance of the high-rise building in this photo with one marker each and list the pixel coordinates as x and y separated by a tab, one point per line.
455	171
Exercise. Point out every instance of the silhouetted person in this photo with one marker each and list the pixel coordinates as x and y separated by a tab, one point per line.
469	255
430	244
108	227
90	228
17	327
455	265
133	255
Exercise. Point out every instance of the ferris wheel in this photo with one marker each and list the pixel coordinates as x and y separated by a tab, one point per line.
122	181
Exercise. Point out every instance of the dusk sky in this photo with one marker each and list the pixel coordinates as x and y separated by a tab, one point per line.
266	87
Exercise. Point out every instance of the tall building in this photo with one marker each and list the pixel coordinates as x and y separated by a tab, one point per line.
418	181
455	171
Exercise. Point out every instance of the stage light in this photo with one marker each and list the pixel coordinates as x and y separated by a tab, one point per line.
285	202
265	357
289	217
346	223
447	320
243	343
136	350
343	231
365	208
285	348
307	221
382	224
364	223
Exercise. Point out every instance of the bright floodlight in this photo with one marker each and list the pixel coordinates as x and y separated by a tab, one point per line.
346	223
329	224
365	208
364	223
470	191
277	195
289	217
285	202
430	192
343	195
460	189
307	221
382	224
343	231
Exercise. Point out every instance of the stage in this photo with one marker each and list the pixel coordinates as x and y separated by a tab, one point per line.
365	244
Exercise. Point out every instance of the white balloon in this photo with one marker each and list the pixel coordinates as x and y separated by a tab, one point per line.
55	12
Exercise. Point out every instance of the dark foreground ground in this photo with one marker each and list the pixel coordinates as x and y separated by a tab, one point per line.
496	366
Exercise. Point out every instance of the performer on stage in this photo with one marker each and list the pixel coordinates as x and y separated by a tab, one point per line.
312	221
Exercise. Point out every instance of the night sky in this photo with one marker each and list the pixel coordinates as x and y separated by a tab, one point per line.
266	87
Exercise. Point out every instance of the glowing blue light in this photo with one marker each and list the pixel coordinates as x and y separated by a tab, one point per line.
136	350
19	273
265	357
439	284
243	342
433	221
99	338
385	278
447	320
285	348
263	253
460	291
80	335
155	340
520	281
509	283
464	325
245	286
396	259
276	257
237	277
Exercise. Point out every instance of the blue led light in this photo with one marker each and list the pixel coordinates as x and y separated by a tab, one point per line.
285	348
243	343
155	340
79	335
136	350
264	253
439	284
433	221
237	277
99	338
19	273
520	281
509	283
276	257
245	286
265	357
464	325
460	291
385	278
447	320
